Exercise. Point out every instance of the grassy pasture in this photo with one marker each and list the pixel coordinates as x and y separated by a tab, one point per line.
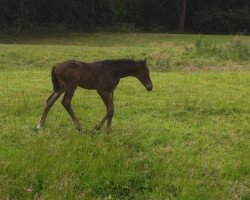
187	139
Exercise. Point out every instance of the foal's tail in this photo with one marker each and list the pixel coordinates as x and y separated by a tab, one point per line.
56	86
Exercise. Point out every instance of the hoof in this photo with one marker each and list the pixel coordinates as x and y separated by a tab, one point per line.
93	132
40	130
80	131
108	131
39	127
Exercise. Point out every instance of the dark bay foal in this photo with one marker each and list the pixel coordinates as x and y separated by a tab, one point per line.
102	76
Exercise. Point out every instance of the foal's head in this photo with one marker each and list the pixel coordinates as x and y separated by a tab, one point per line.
143	75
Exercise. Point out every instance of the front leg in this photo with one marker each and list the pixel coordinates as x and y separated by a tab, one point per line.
107	98
110	116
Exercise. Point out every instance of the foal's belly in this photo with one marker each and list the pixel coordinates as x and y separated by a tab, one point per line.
88	83
97	83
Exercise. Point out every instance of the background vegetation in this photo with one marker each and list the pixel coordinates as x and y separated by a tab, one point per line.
187	139
206	16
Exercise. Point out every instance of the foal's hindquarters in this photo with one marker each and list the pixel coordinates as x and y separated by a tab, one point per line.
64	80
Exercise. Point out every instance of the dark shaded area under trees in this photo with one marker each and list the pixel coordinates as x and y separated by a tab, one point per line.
194	16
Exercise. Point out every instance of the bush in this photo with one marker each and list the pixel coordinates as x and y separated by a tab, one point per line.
160	61
236	50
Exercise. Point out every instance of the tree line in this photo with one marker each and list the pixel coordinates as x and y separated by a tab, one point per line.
196	16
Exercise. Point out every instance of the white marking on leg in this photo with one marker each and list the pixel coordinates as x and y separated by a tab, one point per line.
39	126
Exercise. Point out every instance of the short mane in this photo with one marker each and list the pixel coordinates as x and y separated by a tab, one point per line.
119	61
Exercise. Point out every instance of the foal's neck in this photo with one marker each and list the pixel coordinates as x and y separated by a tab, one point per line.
125	70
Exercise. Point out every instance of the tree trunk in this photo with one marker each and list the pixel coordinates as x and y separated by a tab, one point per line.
20	17
182	15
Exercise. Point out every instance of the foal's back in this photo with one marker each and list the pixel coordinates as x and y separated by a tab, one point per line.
85	75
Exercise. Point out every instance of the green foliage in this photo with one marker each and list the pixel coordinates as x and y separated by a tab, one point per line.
122	15
236	50
217	20
206	49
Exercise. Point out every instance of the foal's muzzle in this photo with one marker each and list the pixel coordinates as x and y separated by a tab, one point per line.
149	88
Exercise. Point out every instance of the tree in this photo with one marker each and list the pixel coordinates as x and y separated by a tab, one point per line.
206	16
182	15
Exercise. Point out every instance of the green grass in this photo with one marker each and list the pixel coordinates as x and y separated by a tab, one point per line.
112	39
165	52
187	139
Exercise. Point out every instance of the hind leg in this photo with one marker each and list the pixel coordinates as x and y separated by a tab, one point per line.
49	103
66	102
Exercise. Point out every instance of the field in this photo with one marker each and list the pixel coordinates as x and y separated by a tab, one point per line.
187	139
